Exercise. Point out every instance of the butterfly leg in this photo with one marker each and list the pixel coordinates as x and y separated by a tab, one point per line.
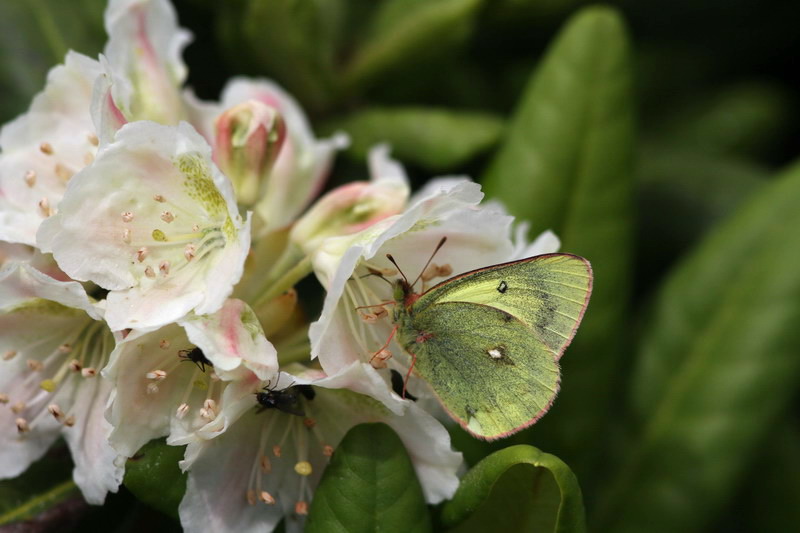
408	374
382	304
383	350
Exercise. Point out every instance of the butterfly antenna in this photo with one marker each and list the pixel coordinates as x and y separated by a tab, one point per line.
438	247
376	273
390	258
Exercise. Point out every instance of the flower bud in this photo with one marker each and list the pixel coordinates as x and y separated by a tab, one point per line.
348	209
249	138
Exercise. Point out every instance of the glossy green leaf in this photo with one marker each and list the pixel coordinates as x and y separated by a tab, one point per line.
566	165
718	364
369	486
519	489
437	139
35	36
153	476
293	41
46	484
406	32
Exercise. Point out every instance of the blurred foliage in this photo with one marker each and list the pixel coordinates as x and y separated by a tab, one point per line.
650	136
34	36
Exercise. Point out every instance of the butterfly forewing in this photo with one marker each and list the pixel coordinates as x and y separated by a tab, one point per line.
487	368
547	293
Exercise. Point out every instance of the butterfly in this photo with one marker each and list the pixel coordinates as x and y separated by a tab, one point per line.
488	341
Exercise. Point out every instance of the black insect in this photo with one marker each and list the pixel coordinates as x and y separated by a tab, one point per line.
397	386
196	356
286	400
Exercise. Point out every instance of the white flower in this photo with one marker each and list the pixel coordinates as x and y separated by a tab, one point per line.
43	148
355	323
154	222
269	461
173	381
53	347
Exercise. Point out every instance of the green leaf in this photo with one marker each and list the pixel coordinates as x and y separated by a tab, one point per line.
741	119
520	489
153	476
46	483
437	139
406	32
718	364
370	485
697	190
566	165
35	36
294	41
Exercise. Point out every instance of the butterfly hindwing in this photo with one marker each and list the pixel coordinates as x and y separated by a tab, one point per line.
486	366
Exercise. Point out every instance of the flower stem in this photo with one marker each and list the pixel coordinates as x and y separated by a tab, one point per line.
285	282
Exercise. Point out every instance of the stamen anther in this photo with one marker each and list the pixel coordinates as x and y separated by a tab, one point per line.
22	425
156	375
56	411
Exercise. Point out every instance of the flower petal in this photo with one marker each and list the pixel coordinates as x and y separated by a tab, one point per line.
21	281
99	469
232	337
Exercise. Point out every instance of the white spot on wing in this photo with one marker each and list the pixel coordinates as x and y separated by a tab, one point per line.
495	353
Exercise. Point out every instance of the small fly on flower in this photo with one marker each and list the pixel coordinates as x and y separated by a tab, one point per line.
286	400
196	356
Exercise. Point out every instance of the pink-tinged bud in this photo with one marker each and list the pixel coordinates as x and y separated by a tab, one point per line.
349	209
249	138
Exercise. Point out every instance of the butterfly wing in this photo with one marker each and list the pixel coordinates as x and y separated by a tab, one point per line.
488	341
548	293
487	368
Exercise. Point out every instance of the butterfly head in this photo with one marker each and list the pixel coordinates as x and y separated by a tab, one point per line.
404	292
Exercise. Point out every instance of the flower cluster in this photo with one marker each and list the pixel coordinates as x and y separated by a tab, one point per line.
149	247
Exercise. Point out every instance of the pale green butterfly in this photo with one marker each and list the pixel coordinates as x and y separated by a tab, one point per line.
488	341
